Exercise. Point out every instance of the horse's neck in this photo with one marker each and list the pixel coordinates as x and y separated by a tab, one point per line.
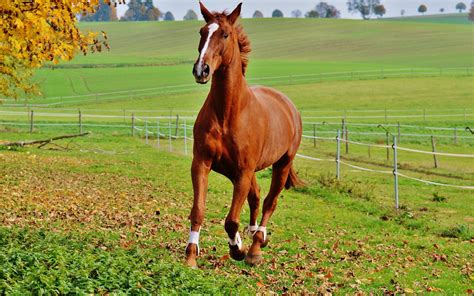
228	92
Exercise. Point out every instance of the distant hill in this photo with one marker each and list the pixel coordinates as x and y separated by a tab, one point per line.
445	18
350	42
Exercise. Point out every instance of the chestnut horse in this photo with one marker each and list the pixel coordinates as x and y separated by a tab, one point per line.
240	130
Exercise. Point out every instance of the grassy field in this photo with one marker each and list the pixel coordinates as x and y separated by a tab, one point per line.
107	213
450	18
110	216
148	55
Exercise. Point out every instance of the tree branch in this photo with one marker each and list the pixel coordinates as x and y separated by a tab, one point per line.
41	142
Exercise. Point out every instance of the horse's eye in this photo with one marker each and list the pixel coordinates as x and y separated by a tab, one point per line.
226	35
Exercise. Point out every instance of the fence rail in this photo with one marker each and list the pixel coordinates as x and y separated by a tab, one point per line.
174	129
395	171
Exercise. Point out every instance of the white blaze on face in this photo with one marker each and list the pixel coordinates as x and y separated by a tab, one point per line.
212	28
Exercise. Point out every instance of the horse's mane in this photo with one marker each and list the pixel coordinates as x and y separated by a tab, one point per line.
243	39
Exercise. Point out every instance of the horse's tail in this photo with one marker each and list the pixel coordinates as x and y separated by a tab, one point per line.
293	180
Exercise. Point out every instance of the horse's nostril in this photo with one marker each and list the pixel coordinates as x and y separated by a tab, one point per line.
206	71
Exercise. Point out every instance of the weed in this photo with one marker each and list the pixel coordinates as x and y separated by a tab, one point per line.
354	189
438	198
459	231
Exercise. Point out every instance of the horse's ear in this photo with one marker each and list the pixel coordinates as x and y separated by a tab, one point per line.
232	18
205	13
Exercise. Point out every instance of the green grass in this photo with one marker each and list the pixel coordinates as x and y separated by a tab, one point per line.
280	48
449	18
337	41
89	222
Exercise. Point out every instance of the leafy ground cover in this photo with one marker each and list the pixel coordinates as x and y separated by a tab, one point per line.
117	222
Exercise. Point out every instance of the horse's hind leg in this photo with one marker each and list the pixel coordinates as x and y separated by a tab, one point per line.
242	187
281	169
253	199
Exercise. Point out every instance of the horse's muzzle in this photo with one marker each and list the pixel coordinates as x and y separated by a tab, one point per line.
202	74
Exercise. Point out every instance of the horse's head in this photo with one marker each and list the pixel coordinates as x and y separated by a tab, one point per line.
218	43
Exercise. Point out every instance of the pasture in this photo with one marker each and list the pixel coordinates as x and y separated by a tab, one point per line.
109	213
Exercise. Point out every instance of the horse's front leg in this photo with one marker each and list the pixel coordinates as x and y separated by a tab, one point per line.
199	173
242	186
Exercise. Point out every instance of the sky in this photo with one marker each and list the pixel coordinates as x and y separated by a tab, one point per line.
393	7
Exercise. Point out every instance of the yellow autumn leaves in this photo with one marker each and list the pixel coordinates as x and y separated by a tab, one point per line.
39	31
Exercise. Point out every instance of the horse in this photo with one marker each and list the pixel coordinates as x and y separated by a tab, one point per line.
239	131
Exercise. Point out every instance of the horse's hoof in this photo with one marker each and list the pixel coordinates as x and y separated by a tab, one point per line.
191	262
236	253
264	244
253	260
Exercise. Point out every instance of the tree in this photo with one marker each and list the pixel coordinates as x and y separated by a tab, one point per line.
461	6
168	16
422	9
364	7
141	11
257	14
102	14
34	34
153	14
379	10
471	14
296	13
312	14
402	12
190	15
277	13
327	11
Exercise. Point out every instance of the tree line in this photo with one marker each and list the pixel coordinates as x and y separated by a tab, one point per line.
144	10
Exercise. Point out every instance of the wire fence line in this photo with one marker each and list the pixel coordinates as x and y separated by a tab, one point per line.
395	171
284	79
338	139
153	129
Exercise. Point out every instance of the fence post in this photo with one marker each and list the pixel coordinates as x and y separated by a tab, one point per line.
343	128
169	134
346	137
80	121
398	132
133	124
31	120
455	136
433	146
387	143
157	132
314	135
185	139
146	131
338	154
177	126
395	170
